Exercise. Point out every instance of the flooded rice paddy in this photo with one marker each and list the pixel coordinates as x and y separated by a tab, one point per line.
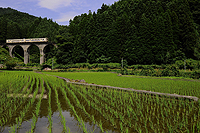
42	103
42	125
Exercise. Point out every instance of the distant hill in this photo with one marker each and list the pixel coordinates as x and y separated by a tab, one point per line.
15	24
16	16
137	31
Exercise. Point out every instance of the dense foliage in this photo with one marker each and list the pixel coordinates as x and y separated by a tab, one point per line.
139	31
15	24
6	59
4	55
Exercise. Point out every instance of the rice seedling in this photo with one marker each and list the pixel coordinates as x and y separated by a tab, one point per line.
49	109
107	109
60	111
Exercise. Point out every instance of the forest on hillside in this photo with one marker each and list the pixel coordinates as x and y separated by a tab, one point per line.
139	31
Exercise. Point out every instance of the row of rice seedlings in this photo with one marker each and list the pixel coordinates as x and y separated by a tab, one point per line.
81	122
141	114
25	95
158	110
52	81
11	104
71	101
6	80
95	104
106	111
18	82
27	106
49	107
79	105
63	121
37	108
104	108
189	88
12	81
24	90
140	107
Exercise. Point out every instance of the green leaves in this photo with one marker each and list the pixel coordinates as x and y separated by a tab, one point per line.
140	31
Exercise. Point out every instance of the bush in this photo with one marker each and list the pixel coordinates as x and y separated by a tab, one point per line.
189	63
124	71
194	75
147	71
170	70
10	64
105	67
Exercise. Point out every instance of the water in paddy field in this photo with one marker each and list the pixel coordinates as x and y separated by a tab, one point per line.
147	112
42	124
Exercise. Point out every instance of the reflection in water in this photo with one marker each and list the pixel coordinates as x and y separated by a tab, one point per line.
42	125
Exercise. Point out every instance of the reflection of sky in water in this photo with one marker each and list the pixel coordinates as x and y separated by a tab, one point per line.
42	125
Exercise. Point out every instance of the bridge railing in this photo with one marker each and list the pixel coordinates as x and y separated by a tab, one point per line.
27	40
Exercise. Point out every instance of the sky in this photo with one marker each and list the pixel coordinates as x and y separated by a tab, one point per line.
60	11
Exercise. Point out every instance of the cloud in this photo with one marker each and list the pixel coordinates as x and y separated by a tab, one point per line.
54	4
66	16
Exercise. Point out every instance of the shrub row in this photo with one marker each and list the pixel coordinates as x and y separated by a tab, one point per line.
189	64
90	66
180	64
170	70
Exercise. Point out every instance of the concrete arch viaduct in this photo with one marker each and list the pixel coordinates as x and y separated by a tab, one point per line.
41	43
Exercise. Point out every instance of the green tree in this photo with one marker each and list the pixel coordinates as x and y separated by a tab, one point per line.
13	31
188	32
65	47
3	29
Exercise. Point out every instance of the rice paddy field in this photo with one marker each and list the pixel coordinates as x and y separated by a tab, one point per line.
36	102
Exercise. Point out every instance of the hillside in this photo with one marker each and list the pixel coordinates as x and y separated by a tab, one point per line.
139	31
15	24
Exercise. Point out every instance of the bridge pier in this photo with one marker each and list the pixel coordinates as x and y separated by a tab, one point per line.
26	57
10	49
26	53
41	48
41	56
25	48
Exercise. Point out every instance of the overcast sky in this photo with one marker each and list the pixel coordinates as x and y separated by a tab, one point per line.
60	11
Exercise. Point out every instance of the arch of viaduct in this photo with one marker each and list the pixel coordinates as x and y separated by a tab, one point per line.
25	47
